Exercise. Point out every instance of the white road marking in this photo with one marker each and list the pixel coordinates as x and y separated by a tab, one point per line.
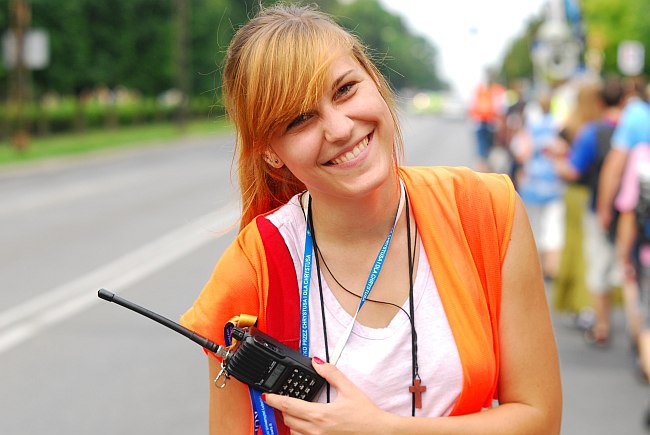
21	322
65	193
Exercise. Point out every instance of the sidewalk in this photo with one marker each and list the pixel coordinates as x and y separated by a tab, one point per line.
602	392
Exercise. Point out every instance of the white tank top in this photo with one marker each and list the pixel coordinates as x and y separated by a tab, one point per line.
378	360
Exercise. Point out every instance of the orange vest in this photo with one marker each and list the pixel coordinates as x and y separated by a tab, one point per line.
464	219
486	100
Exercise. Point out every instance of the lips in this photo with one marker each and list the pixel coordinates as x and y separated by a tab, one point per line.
350	154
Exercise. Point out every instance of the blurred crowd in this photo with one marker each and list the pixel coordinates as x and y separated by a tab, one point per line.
578	153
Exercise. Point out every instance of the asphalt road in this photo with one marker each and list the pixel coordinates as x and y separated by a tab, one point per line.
149	224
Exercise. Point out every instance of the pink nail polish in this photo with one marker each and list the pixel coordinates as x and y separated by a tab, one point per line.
318	360
264	397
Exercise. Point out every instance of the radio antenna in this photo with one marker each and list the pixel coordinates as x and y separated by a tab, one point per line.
196	338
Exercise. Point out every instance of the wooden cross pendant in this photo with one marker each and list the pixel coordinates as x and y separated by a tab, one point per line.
417	389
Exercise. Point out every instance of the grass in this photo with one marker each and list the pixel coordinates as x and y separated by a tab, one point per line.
78	143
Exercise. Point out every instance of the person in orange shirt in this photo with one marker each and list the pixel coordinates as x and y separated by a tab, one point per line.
417	292
486	109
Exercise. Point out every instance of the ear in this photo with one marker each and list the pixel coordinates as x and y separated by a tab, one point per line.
272	159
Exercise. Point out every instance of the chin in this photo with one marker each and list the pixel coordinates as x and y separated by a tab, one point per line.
379	177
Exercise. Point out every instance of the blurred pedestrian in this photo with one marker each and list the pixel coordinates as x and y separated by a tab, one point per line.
513	125
486	109
633	239
569	291
583	163
633	129
459	305
540	187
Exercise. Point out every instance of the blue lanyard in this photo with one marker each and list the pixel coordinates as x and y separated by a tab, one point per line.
306	278
263	414
304	294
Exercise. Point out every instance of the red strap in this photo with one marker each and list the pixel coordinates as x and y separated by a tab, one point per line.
283	303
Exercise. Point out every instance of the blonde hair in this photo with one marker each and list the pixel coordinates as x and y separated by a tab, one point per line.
276	68
588	107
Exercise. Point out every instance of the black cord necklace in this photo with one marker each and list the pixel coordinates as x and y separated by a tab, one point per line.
416	389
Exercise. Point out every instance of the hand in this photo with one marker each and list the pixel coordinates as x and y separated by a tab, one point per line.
351	412
604	217
629	271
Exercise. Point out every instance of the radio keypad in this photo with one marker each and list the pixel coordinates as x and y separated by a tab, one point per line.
298	384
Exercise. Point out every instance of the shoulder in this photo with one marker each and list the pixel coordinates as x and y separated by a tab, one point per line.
636	111
232	289
640	107
239	282
633	127
289	218
587	135
460	199
445	181
590	128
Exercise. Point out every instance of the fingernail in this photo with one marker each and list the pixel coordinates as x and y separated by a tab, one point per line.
264	397
318	360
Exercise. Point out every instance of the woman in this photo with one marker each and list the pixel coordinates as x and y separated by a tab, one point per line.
586	156
571	294
456	305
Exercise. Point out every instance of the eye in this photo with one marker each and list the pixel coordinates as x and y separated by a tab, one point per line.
299	120
344	90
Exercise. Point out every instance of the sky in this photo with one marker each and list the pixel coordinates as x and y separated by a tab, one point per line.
469	34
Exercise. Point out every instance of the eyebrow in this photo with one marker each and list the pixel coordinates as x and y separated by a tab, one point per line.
338	81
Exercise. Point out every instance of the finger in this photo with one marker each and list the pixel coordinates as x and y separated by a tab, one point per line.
288	405
295	412
297	425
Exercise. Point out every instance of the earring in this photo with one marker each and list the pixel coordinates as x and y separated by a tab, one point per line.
272	160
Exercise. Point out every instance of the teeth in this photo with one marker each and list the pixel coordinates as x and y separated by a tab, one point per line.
352	154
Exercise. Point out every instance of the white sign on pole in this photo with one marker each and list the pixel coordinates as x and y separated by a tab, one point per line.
557	52
631	57
36	53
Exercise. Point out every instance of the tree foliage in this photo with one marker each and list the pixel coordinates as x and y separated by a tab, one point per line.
517	62
132	43
609	22
407	60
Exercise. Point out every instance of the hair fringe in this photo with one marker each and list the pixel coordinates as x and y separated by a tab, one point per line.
283	44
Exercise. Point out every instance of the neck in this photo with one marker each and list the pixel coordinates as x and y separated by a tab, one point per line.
357	219
613	113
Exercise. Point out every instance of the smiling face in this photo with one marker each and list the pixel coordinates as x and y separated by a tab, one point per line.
281	89
343	145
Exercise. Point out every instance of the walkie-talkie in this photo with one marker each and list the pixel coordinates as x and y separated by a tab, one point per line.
257	360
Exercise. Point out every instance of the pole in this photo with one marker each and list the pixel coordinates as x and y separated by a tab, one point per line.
182	61
20	20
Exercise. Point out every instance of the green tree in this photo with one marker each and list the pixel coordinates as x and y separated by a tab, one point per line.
4	25
131	43
608	22
517	62
213	24
407	60
150	46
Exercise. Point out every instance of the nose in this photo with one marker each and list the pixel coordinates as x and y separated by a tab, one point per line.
337	125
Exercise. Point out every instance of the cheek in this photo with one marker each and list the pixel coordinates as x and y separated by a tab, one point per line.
375	107
383	113
385	110
298	152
